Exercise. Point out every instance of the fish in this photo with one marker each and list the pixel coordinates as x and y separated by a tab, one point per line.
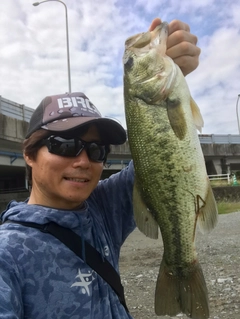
172	192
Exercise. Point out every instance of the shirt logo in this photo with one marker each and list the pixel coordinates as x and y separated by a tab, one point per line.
84	281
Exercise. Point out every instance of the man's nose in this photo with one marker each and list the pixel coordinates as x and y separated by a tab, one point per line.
82	160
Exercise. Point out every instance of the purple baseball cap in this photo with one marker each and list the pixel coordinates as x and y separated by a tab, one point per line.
64	113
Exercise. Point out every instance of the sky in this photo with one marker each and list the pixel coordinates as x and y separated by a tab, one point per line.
33	52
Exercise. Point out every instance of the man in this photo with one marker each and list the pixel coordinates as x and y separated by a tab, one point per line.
65	149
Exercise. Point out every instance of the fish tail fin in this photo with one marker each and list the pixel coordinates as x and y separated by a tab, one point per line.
179	293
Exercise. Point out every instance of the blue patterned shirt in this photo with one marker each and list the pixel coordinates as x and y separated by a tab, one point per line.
41	278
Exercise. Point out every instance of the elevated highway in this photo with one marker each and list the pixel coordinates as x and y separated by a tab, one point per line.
221	152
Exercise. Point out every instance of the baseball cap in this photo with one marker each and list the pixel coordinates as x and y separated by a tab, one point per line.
64	113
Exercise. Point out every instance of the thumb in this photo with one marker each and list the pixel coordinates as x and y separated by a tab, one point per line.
155	23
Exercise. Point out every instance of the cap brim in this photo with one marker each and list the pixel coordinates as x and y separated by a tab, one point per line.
111	131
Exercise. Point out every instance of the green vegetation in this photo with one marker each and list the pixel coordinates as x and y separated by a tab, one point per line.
228	207
220	182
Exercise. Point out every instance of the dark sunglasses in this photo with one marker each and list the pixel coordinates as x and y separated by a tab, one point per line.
74	146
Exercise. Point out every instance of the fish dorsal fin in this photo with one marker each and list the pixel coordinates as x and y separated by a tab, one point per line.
197	117
176	118
143	217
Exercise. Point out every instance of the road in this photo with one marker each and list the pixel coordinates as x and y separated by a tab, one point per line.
219	255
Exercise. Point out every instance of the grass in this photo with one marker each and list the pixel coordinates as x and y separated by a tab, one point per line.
223	182
218	183
228	207
225	207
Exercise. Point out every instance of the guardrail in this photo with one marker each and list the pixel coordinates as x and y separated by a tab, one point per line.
219	138
220	177
15	110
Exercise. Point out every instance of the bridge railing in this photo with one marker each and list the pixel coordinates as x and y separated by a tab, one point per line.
220	177
22	112
15	110
219	139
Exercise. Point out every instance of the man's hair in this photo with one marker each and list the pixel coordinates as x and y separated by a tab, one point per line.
32	144
30	148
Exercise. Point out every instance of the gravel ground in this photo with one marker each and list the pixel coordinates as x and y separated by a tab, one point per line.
219	255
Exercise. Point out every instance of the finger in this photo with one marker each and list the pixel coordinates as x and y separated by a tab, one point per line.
181	36
176	25
155	23
187	63
184	48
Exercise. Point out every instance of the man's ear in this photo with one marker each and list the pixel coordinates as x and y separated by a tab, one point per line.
27	159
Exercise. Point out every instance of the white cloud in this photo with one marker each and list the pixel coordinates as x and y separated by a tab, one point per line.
34	60
216	82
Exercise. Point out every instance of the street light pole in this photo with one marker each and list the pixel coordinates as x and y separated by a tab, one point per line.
68	56
237	114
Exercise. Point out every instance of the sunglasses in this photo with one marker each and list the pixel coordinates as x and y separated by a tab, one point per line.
74	146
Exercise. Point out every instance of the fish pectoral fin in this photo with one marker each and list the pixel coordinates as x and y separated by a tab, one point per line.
176	118
143	217
208	213
197	117
181	292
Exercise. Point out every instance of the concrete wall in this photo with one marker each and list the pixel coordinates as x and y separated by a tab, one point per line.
228	193
221	149
12	129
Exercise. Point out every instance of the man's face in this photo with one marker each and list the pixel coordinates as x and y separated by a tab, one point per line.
64	182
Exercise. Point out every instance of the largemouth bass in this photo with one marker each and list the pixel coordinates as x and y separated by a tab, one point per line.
172	190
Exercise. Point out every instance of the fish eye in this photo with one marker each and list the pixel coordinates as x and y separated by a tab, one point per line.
129	63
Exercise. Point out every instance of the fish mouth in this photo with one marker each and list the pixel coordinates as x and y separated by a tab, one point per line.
149	49
143	42
159	38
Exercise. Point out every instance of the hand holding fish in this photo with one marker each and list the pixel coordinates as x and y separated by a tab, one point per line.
181	45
